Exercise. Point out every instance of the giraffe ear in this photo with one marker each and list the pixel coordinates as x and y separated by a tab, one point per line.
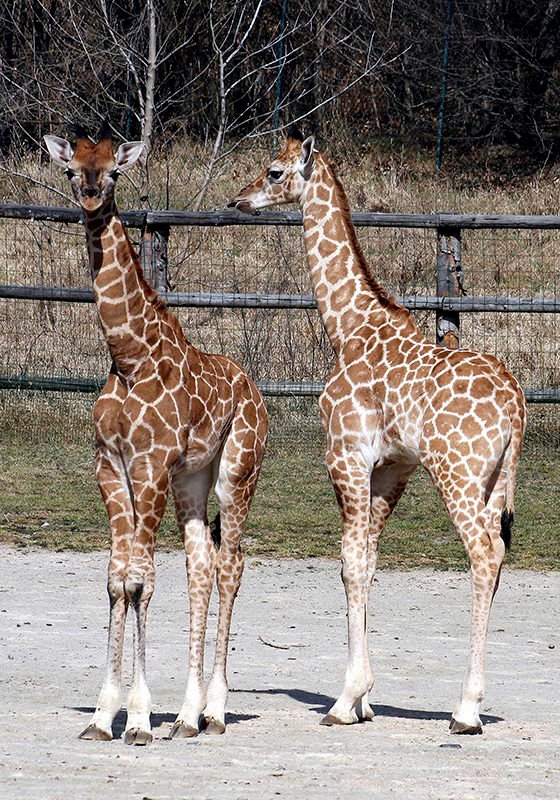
307	161
60	150
128	154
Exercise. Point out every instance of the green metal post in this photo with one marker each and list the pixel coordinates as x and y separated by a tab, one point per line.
279	79
443	87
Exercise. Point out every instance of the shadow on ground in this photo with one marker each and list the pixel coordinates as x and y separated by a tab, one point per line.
321	703
318	703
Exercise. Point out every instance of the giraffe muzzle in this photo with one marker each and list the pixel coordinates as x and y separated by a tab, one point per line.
242	205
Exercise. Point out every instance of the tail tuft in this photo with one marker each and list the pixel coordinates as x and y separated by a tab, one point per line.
507	522
216	530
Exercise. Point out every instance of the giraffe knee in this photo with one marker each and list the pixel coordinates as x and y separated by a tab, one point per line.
134	589
348	573
115	586
230	567
138	587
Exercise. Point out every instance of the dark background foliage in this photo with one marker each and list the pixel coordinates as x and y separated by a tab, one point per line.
373	67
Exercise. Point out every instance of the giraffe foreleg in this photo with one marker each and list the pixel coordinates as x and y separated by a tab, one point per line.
149	481
114	489
387	485
351	481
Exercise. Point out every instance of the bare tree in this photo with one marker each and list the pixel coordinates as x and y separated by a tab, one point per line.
250	46
224	70
90	63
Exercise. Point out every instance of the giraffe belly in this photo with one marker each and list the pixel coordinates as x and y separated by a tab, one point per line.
376	456
379	447
198	454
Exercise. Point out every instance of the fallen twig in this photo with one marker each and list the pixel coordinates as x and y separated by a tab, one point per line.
280	646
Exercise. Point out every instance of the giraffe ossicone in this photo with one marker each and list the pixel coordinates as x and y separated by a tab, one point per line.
393	401
169	416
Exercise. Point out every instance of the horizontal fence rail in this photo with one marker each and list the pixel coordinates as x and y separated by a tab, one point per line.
448	301
268	388
219	218
414	302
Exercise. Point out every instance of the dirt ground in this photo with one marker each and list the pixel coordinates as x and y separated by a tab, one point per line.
53	616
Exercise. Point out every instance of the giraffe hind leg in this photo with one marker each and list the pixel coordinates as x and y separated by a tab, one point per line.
229	569
191	494
476	511
238	473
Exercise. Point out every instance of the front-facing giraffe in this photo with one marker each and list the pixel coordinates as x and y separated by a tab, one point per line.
169	415
395	400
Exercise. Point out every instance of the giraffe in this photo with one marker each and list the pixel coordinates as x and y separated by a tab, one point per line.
168	416
393	401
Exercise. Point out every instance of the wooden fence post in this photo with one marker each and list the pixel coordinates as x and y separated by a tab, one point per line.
449	284
153	256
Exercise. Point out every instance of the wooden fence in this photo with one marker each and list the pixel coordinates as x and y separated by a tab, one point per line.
448	301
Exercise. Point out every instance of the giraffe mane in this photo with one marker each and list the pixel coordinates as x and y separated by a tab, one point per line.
155	299
385	298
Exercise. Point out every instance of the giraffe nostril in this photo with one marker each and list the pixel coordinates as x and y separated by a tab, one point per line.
90	191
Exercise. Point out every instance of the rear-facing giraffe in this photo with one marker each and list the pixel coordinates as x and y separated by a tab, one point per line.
168	415
395	400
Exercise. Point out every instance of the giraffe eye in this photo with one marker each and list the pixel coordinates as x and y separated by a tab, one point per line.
275	174
70	173
114	174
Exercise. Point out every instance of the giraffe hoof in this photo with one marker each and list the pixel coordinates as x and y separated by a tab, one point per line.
331	719
213	726
138	737
182	731
463	728
94	734
365	713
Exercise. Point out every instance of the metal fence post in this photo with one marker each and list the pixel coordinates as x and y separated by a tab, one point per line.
449	284
153	256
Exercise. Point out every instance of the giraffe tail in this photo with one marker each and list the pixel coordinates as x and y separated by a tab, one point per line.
512	460
216	530
506	526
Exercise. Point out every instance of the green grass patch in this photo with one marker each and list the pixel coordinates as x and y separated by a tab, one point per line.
49	498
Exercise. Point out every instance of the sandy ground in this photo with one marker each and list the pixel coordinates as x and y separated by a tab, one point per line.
53	618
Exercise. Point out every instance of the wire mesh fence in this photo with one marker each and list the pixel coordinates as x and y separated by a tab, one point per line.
219	276
50	338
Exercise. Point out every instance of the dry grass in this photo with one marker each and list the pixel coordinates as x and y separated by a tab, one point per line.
55	338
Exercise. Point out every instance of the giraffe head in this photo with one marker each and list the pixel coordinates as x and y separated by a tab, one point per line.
284	179
93	168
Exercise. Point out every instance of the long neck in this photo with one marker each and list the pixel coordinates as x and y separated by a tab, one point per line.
347	294
127	305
